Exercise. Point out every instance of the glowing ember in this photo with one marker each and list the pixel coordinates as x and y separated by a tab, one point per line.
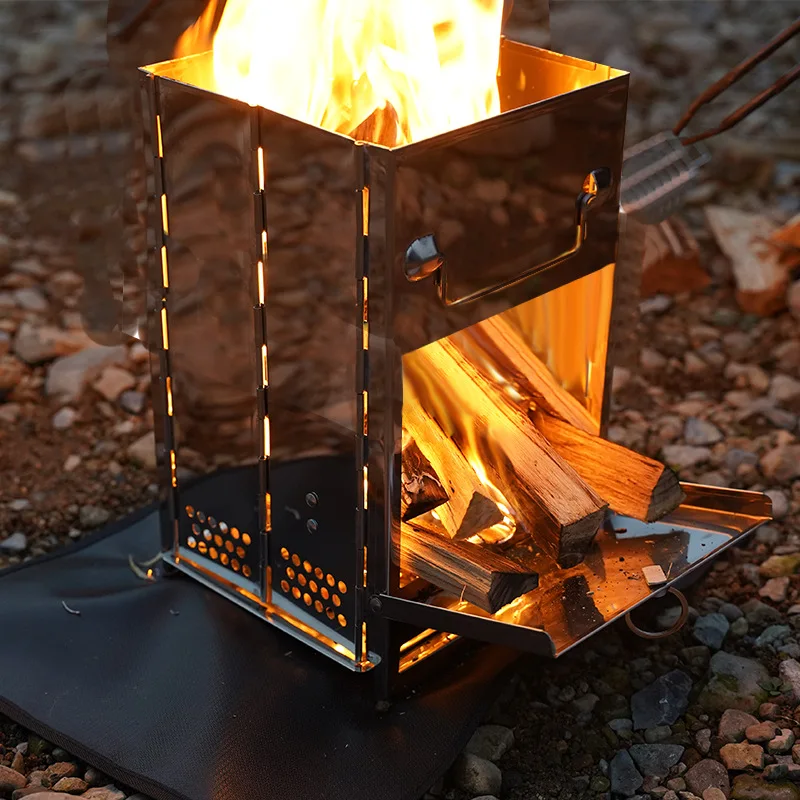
388	71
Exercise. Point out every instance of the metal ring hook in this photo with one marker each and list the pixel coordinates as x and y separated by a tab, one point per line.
662	634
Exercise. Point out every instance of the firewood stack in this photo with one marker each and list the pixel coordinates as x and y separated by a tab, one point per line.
480	461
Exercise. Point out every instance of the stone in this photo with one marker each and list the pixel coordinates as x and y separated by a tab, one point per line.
14	544
93	516
10	779
655	759
113	382
711	630
61	769
742	756
769	711
760	614
621	725
40	794
775	772
735	683
63	418
622	773
660	733
731	612
491	742
94	777
768	535
599	784
71	462
780	566
68	375
703	740
789	670
108	792
707	774
749	787
662	702
683	456
780	503
9	413
676	784
782	743
700	432
18	762
782	463
36	344
30	299
761	732
470	773
132	401
775	589
143	451
585	703
712	793
651	360
71	785
772	636
784	388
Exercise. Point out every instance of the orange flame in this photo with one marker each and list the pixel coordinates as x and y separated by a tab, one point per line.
390	71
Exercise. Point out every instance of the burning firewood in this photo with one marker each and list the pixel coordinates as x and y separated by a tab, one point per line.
633	484
420	488
473	573
505	348
761	278
547	494
468	509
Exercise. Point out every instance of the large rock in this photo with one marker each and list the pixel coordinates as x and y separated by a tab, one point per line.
655	760
143	451
67	376
491	742
707	774
735	683
748	787
733	724
662	702
625	778
760	614
476	775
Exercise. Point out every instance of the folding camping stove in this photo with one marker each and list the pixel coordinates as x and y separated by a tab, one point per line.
296	276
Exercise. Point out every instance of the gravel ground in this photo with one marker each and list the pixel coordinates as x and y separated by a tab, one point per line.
712	391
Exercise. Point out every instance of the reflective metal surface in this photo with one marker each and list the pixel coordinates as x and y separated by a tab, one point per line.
572	604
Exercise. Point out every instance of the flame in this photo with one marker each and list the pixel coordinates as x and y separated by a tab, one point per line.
390	71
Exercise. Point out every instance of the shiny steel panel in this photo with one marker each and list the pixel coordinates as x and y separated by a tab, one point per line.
572	604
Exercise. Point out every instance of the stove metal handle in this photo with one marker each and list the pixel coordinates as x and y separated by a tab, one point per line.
681	621
423	257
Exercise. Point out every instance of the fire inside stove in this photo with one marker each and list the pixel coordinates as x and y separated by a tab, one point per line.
381	301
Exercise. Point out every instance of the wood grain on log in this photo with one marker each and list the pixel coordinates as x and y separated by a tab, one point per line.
420	488
508	352
469	508
633	485
467	571
671	260
547	495
761	278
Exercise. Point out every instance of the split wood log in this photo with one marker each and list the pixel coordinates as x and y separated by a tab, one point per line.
420	488
671	260
469	508
761	278
553	502
787	240
633	485
471	572
509	353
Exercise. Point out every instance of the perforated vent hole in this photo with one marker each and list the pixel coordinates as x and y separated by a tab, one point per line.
218	543
342	588
284	554
229	546
336	601
240	551
192	542
189	512
235	565
307	599
212	523
318	606
301	579
342	620
213	553
201	517
202	547
246	538
218	540
285	586
300	586
313	586
235	533
246	571
295	593
223	526
224	558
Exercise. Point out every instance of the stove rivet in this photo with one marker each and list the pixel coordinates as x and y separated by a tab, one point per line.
375	605
312	499
312	525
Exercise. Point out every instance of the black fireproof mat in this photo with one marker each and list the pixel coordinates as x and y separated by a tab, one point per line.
210	702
